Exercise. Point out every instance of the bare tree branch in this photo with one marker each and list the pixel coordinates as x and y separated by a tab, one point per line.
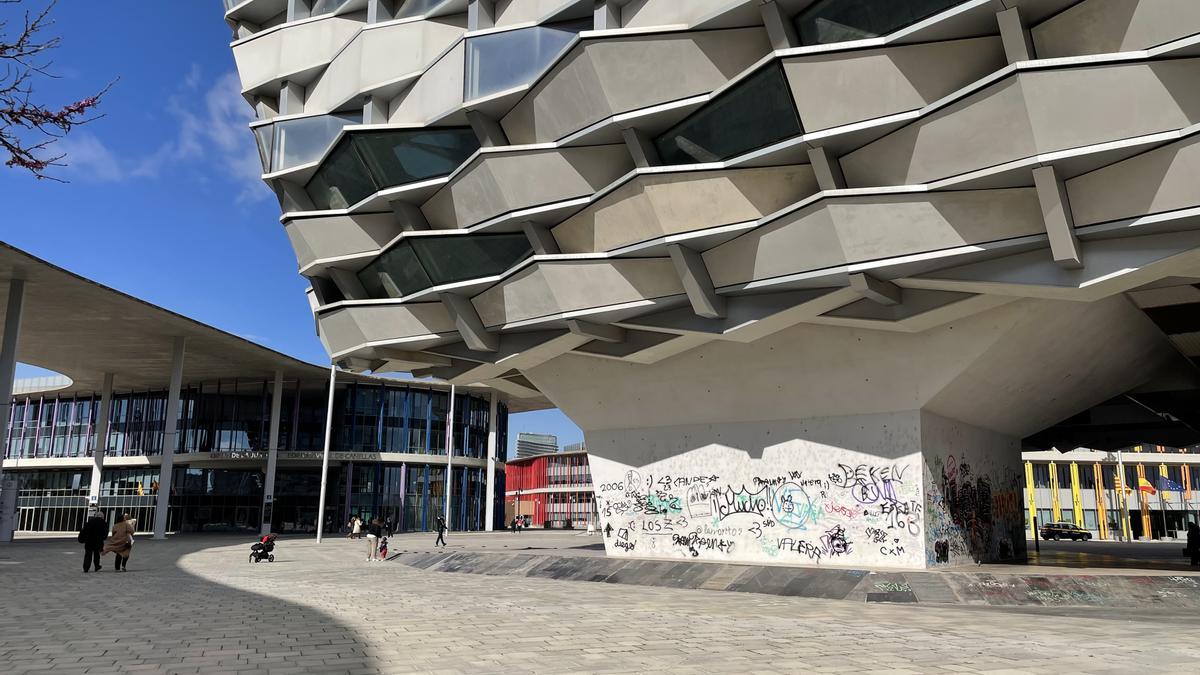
29	129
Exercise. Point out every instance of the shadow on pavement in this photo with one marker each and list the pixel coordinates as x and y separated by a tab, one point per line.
160	612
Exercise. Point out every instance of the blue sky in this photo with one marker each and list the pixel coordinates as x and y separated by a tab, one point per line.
164	199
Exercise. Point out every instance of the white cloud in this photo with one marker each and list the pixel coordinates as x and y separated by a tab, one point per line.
212	135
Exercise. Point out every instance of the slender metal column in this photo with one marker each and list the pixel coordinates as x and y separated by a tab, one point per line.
8	371
101	435
170	439
449	454
272	453
325	455
490	507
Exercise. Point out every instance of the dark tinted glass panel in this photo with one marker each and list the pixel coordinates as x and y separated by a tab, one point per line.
755	113
341	181
451	259
396	158
393	274
840	20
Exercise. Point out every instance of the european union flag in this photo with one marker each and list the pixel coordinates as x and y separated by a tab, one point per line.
1167	485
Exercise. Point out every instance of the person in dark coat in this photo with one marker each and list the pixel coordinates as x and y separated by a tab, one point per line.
1193	542
92	536
441	532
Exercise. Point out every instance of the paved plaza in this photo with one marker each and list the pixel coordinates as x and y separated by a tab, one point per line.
194	604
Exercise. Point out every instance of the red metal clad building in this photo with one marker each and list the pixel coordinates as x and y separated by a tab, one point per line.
551	490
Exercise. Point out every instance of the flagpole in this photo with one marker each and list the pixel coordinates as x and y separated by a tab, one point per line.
1162	506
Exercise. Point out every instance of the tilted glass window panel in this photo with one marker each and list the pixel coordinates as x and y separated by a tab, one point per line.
501	61
451	259
326	6
400	157
304	140
416	7
755	113
841	20
263	137
342	179
395	273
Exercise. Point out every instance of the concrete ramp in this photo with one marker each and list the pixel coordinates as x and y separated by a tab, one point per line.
943	587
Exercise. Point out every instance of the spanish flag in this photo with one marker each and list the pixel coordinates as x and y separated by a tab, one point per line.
1145	486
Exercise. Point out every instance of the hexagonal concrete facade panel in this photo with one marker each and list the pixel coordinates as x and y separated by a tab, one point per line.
805	271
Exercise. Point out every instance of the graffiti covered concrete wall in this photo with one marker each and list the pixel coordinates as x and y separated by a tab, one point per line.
973	508
800	502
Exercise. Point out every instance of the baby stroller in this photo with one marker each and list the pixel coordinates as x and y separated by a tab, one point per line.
263	549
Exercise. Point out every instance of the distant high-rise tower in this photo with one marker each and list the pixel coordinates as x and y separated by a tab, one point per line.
536	444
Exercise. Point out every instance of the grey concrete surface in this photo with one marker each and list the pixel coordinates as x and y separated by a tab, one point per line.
194	605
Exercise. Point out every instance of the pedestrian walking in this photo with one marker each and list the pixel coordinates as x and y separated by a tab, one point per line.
514	525
120	542
374	534
92	536
355	527
387	527
441	531
1193	542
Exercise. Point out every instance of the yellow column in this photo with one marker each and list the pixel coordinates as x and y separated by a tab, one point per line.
1187	482
1029	495
1101	506
1055	506
1076	498
1147	530
1164	499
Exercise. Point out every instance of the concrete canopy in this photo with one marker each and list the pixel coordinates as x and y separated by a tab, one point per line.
83	329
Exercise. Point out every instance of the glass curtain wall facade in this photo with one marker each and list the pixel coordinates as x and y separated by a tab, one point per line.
373	418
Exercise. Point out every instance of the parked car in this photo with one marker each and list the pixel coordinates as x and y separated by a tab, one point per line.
1070	531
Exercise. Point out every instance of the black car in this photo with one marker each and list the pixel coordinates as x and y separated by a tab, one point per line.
1070	531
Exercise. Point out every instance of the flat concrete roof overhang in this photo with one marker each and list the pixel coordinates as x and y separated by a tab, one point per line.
82	329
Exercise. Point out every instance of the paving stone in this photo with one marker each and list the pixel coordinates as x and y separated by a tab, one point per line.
193	605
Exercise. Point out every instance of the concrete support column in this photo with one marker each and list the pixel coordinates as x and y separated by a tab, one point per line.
375	110
272	453
641	148
606	15
291	98
1032	499
827	170
780	29
488	131
170	439
1056	211
1018	44
481	14
8	370
379	11
490	506
540	238
325	452
101	443
697	282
